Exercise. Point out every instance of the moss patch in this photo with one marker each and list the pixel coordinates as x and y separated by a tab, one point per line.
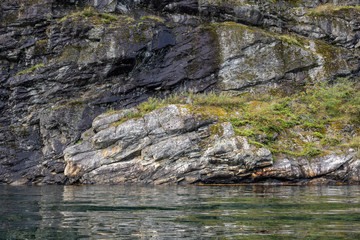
71	103
92	15
152	18
31	69
331	9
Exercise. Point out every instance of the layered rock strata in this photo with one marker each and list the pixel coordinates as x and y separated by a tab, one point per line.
174	145
65	62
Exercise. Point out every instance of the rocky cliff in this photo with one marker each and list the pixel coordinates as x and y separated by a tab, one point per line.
63	63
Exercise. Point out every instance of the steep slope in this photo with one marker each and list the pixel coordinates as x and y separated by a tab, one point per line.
64	62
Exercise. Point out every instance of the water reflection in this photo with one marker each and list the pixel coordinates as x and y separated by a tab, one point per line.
190	212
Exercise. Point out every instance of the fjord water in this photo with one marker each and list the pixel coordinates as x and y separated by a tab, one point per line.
180	212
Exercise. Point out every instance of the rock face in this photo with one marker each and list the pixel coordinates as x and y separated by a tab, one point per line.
173	145
65	62
168	145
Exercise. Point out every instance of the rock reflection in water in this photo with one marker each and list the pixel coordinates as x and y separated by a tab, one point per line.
186	212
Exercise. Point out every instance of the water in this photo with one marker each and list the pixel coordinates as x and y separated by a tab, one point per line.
190	212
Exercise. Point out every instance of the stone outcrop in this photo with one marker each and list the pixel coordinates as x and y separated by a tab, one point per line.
65	62
174	145
168	145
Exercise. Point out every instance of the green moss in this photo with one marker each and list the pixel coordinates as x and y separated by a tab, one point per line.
332	58
109	17
232	3
331	9
291	40
31	69
92	15
244	132
217	129
312	125
152	18
292	2
128	116
71	103
72	53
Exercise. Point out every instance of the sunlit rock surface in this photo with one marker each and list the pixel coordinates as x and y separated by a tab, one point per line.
65	62
168	145
173	145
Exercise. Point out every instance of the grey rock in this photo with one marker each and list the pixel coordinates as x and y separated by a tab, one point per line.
131	152
60	70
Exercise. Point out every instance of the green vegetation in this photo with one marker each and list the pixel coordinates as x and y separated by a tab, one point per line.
289	1
325	9
152	18
291	40
31	69
308	123
224	2
93	15
71	103
128	116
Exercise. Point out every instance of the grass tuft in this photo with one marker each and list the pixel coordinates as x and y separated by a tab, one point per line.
308	123
31	69
326	9
93	15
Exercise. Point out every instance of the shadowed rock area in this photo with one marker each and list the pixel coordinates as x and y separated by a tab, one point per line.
63	63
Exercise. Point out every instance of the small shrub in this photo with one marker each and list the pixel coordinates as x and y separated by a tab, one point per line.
150	105
312	152
245	132
330	141
238	121
318	135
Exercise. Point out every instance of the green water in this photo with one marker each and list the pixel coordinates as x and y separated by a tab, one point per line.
190	212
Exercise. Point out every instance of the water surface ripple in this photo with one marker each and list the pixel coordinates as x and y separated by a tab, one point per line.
180	212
